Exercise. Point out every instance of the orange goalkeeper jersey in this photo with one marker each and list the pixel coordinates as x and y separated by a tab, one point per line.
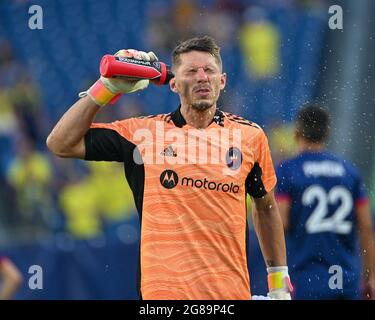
190	188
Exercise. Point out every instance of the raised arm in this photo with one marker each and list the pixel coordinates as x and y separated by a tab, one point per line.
67	137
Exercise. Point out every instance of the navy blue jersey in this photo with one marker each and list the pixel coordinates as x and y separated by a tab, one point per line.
323	191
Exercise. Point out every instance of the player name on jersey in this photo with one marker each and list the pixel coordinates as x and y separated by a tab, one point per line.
323	168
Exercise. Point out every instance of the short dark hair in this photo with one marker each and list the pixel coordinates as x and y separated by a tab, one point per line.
313	123
204	44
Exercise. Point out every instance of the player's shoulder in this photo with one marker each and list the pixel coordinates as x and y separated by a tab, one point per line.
145	120
295	163
288	163
241	121
128	126
250	129
349	166
324	157
300	157
153	117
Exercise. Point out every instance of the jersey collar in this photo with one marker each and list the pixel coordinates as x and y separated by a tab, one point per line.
179	120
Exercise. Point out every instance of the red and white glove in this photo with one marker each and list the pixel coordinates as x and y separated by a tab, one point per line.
279	285
108	90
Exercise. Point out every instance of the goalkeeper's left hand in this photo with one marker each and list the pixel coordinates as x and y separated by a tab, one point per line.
279	285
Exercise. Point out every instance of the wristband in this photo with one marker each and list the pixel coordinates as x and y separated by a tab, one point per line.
278	278
100	94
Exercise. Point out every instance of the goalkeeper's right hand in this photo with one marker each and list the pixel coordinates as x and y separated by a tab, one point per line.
109	90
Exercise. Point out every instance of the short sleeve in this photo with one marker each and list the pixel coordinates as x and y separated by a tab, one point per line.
262	177
108	142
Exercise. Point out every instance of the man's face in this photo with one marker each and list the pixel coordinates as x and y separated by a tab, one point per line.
198	80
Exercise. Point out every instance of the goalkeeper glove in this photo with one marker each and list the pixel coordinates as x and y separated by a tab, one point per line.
109	90
279	285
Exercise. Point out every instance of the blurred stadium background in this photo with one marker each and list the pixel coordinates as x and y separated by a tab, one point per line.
77	220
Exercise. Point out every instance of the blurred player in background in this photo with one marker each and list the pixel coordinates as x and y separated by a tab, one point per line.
193	216
10	278
325	210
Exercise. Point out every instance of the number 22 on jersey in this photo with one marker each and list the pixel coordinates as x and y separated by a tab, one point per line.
318	220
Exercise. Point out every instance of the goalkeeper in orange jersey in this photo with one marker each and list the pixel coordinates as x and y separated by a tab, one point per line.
192	209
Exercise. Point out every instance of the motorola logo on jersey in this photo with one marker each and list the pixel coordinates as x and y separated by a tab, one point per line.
210	185
169	179
233	158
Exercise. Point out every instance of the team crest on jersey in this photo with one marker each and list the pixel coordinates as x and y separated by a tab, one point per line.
233	158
